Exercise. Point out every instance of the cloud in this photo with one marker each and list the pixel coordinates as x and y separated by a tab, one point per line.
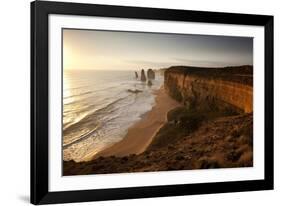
153	64
205	63
179	61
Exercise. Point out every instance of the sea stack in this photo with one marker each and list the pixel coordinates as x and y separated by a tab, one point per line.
137	76
149	83
143	78
150	74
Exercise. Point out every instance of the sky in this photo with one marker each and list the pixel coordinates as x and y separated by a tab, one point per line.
114	50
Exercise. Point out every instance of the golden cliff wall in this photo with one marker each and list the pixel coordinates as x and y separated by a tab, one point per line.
214	88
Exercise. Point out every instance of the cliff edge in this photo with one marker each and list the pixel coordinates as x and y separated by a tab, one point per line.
212	88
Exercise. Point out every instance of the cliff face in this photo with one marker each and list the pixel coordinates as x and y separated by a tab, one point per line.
227	88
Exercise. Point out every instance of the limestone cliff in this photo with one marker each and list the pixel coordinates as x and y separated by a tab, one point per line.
215	88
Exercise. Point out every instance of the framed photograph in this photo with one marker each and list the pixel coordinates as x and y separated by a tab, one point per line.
131	102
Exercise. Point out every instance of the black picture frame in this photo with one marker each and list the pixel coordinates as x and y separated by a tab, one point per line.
39	102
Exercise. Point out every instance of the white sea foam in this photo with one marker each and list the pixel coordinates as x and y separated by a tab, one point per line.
98	109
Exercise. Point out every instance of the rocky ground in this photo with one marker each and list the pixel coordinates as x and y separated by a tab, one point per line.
189	140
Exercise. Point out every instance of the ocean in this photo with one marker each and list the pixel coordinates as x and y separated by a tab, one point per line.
98	109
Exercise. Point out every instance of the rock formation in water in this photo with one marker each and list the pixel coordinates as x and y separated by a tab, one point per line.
149	83
150	74
136	74
143	77
134	91
212	88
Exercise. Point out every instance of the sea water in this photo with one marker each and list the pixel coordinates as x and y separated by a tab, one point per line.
98	109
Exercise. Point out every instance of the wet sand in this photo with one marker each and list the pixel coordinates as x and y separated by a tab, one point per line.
140	135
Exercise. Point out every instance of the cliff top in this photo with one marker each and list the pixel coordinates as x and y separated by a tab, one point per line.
240	74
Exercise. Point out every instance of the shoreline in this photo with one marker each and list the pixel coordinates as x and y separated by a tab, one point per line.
140	135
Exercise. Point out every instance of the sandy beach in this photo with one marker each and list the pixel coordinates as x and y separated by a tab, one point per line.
140	135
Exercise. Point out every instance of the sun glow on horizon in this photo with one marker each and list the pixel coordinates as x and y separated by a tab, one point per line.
111	50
